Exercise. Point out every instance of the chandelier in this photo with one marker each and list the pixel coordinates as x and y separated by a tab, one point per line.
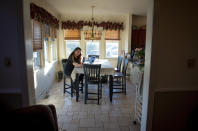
92	33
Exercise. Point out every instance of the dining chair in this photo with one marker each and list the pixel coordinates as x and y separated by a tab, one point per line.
121	83
119	63
92	76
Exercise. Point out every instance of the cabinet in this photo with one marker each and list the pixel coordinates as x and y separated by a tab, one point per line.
138	38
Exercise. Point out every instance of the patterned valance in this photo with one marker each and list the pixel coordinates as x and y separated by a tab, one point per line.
80	24
41	15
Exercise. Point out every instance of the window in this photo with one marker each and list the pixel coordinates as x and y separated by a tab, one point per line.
36	58
112	47
71	45
112	35
112	38
92	47
46	50
72	38
37	43
53	50
36	35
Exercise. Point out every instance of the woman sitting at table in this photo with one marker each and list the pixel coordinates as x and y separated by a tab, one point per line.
74	60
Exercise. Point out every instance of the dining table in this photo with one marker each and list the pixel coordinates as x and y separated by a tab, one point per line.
107	69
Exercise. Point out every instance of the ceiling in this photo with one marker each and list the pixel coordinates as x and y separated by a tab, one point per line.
103	7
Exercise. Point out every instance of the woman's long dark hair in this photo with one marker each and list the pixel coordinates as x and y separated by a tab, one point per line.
77	48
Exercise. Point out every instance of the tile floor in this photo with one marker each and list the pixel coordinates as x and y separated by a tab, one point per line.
77	116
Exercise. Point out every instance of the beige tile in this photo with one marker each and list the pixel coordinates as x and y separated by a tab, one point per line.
87	123
95	129
124	128
77	116
99	124
70	127
82	129
112	129
111	125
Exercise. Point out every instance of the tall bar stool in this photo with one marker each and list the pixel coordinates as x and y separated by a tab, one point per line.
70	86
92	76
67	86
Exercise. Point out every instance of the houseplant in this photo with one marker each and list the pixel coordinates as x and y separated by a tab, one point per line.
140	54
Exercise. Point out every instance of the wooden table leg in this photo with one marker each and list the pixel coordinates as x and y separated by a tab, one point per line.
77	87
110	87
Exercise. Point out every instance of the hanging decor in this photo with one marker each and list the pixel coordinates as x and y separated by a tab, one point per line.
92	33
41	15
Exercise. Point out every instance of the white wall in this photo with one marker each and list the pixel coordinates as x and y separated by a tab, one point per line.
44	79
146	110
174	43
126	34
138	20
28	51
15	62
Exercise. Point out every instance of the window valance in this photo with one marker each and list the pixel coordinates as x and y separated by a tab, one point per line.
79	25
41	15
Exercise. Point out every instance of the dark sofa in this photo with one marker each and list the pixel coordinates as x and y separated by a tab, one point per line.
33	118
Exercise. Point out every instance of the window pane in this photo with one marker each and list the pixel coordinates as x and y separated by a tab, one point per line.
71	45
112	49
53	50
46	49
36	58
92	48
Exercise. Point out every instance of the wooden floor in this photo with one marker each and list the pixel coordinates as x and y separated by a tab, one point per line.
77	116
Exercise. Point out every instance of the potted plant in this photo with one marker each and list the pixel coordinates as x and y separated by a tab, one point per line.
139	52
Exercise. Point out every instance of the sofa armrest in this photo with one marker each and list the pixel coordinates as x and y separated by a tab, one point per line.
34	118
